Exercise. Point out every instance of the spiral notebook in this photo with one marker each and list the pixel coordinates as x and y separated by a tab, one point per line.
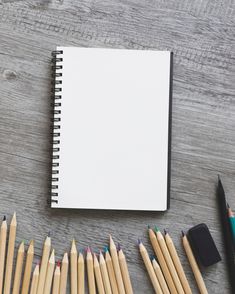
111	139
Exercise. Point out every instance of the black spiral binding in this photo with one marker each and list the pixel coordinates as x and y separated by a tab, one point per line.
57	67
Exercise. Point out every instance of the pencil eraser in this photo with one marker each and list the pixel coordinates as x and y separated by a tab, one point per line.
203	245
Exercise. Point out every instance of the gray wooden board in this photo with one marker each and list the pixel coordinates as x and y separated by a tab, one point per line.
201	35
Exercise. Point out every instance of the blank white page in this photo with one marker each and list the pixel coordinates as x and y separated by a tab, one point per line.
114	129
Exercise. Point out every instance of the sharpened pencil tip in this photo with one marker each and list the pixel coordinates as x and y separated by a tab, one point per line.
88	249
106	249
149	227
49	234
58	263
4	218
156	229
118	247
219	179
139	241
165	231
228	206
152	257
183	234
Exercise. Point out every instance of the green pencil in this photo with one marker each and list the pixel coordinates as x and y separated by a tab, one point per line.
232	222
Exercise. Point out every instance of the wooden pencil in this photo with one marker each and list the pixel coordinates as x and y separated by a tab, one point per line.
81	274
169	262
56	280
28	268
162	262
35	279
149	268
125	272
90	272
111	272
160	277
104	273
49	274
3	240
74	268
98	277
44	263
116	266
177	263
18	269
197	274
10	255
64	274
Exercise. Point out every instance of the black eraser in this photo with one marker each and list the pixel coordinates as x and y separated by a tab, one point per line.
203	245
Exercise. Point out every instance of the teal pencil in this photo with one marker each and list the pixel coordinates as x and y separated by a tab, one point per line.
232	222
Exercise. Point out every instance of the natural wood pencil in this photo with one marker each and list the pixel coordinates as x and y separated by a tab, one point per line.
74	268
98	277
3	240
10	255
56	280
64	274
160	277
90	272
197	274
150	269
177	263
28	268
116	266
44	263
35	279
81	274
169	262
105	275
49	274
18	270
111	272
125	272
162	262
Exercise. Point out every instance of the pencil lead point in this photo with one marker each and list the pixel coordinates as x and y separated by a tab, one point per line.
152	257
183	234
228	206
139	242
156	229
106	249
149	227
49	234
219	179
165	231
119	247
88	249
4	218
58	263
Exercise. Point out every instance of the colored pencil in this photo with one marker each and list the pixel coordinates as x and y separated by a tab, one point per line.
125	272
98	277
49	274
28	268
116	266
197	274
64	274
169	261
111	272
35	279
149	268
177	263
10	255
74	268
44	263
18	270
81	274
104	273
160	277
56	279
228	240
90	272
3	240
162	262
232	222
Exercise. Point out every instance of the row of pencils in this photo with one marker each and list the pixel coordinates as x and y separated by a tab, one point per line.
107	272
165	271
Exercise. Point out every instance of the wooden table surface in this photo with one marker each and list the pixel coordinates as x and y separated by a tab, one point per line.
201	35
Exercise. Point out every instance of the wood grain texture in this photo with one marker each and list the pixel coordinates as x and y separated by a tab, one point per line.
201	35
